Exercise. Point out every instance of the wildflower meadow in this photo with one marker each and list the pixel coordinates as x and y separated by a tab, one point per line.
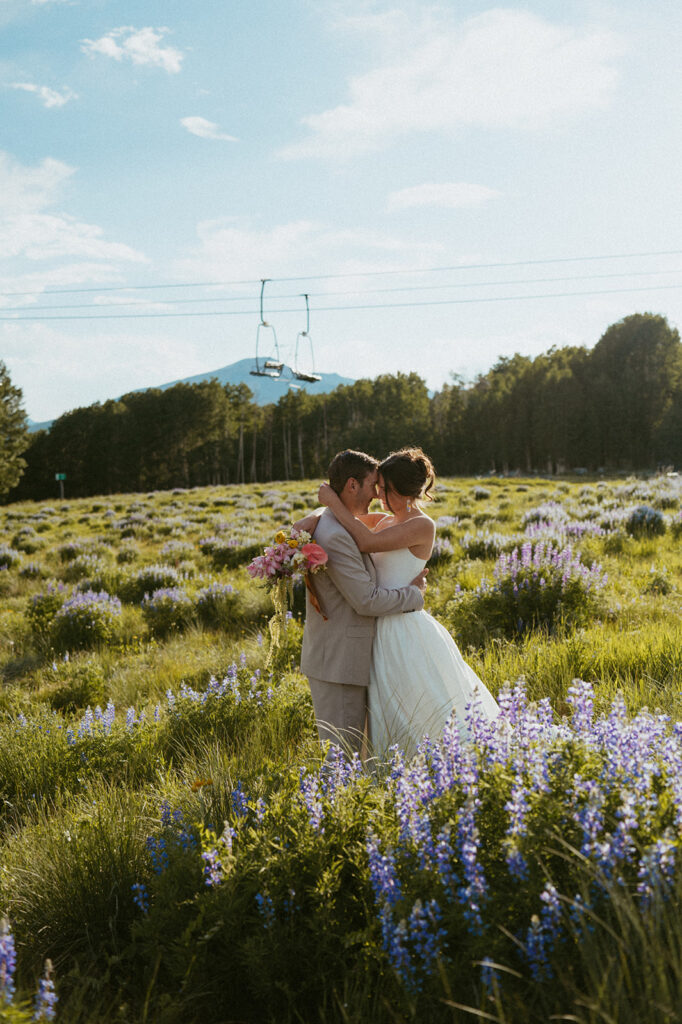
177	848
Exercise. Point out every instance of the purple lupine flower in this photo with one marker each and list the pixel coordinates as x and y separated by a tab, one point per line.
490	978
213	868
382	873
394	942
266	909
309	787
8	962
140	896
473	891
536	951
46	997
109	717
518	808
426	934
581	698
158	852
240	804
445	855
656	868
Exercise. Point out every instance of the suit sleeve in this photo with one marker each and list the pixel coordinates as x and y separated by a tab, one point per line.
349	575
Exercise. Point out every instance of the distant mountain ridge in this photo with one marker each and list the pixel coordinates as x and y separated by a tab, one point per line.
265	390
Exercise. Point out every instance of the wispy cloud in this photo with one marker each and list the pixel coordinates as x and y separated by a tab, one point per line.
205	129
501	69
50	97
230	250
34	232
141	46
452	194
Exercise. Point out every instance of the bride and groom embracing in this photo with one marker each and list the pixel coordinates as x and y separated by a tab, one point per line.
381	669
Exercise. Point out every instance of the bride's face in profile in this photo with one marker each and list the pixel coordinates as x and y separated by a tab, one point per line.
395	499
381	493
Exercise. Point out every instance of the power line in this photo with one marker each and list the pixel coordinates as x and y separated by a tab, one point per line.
356	274
364	306
364	291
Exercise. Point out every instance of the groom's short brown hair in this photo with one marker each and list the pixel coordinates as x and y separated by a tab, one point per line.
349	464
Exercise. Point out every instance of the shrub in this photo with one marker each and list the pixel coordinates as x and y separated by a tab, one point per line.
659	582
229	554
83	565
216	604
537	586
481	493
8	557
445	525
516	849
70	551
31	571
176	551
676	526
645	521
43	607
127	553
27	540
484	544
147	580
442	552
84	620
167	609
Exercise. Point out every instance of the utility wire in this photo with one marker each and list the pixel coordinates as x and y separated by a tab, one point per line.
360	274
364	306
364	291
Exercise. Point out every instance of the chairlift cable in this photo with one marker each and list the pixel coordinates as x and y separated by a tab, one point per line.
361	306
357	274
268	367
363	291
310	377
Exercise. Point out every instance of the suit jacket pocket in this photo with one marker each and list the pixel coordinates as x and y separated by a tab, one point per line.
359	631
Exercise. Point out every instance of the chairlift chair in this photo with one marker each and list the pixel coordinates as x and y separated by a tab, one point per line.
299	374
266	367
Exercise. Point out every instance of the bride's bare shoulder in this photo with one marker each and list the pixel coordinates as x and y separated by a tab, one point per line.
373	519
381	521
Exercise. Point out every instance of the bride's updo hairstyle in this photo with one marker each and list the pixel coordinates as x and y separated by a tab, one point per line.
408	472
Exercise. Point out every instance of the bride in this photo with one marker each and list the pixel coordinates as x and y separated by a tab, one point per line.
418	677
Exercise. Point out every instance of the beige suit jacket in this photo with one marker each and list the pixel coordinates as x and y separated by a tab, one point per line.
340	649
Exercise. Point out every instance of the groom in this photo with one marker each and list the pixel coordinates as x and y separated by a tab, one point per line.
337	640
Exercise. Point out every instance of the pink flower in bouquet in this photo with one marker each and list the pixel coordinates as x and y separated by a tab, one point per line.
315	556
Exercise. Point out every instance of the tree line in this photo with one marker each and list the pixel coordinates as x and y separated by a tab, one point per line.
617	406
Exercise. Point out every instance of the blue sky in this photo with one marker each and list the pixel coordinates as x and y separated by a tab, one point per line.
358	147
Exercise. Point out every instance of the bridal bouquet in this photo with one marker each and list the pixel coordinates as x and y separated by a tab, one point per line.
293	556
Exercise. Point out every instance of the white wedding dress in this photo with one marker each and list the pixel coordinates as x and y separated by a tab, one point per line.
418	678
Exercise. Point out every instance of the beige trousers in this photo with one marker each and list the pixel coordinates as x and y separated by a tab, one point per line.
341	714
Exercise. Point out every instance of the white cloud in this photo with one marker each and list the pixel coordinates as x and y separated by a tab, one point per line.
32	231
141	46
229	251
205	129
25	190
50	97
501	69
452	194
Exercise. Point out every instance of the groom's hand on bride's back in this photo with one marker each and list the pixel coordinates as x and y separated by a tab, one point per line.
420	580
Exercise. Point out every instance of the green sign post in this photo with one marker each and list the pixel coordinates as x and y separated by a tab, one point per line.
61	477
